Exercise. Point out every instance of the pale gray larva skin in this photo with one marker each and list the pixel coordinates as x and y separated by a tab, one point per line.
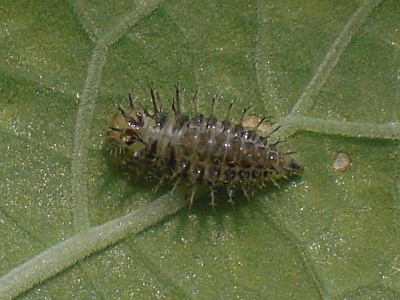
199	149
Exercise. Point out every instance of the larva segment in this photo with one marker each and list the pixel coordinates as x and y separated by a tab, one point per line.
197	150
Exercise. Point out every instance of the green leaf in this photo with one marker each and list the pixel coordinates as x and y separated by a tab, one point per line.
327	73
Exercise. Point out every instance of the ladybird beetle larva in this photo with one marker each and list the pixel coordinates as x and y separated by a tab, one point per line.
196	150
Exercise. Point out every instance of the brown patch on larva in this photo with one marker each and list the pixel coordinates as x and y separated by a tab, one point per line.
341	162
196	150
257	123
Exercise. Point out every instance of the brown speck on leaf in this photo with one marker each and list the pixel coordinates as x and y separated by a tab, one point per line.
341	162
184	240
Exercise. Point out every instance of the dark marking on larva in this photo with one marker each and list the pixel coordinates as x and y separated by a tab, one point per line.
197	149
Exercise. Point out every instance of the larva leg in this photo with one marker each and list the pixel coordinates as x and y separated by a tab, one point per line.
231	193
275	183
212	193
160	183
192	196
176	183
246	194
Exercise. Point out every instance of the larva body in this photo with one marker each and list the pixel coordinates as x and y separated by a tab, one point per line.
198	150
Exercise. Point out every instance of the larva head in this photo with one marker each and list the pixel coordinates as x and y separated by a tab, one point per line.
286	166
277	163
124	130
